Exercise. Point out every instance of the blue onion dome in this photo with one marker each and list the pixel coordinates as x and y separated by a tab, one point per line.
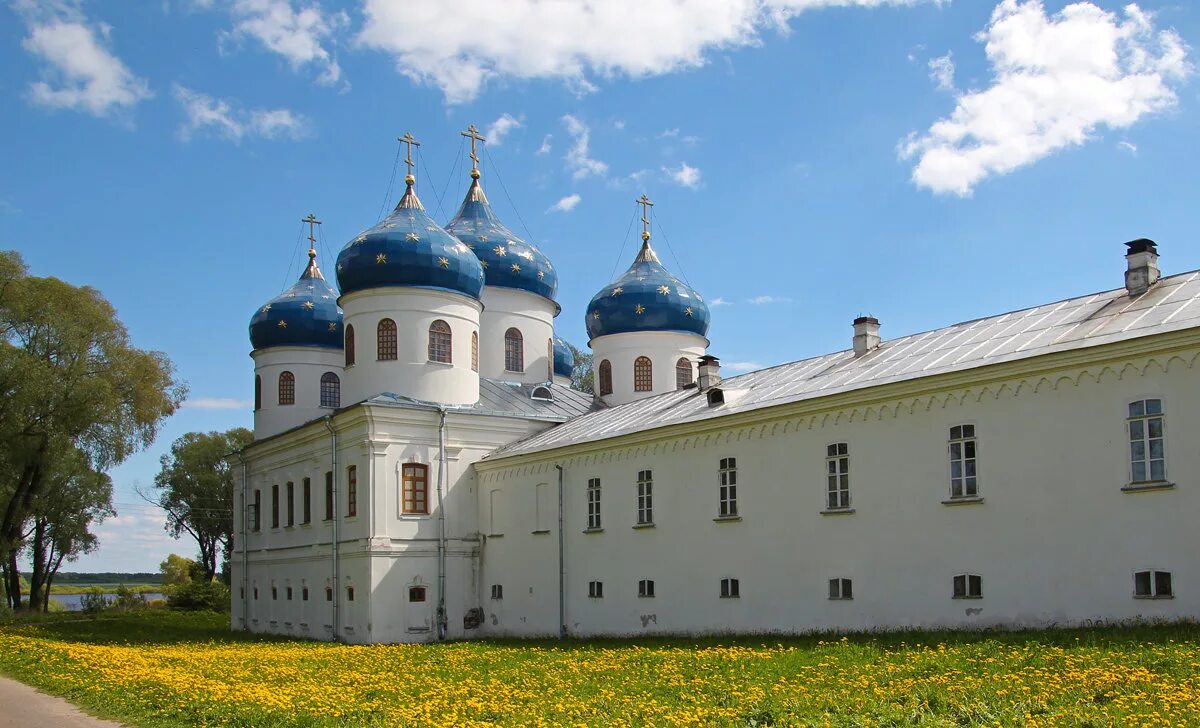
407	248
646	298
507	260
564	360
304	315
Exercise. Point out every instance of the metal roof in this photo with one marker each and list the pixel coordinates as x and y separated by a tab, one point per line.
508	399
1092	320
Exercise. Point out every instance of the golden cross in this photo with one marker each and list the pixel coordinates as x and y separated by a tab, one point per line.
312	223
473	134
411	142
646	205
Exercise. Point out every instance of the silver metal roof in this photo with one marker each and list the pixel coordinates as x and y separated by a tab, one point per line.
508	399
1099	318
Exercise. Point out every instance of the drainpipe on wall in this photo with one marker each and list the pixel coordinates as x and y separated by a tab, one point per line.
245	545
562	564
441	609
337	587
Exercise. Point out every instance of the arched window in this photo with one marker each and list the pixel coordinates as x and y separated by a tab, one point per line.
385	340
605	378
474	351
514	351
643	375
257	392
550	360
414	488
683	373
349	346
439	342
331	390
287	388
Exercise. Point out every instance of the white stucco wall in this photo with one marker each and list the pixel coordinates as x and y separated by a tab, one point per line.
533	316
1055	538
664	348
307	364
411	374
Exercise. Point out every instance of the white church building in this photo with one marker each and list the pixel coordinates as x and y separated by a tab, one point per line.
423	470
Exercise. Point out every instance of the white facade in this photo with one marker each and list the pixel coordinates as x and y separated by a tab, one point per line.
664	349
306	365
505	309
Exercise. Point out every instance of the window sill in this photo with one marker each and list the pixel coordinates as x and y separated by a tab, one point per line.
1154	596
643	525
306	525
1147	485
731	596
541	532
963	500
514	371
726	519
979	597
837	511
841	599
645	596
413	516
440	363
593	530
495	535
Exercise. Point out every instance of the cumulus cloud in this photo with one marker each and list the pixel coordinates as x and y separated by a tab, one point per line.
133	540
764	300
718	301
941	70
566	204
685	175
226	120
298	33
79	71
500	128
545	147
1056	79
440	43
578	158
218	403
742	366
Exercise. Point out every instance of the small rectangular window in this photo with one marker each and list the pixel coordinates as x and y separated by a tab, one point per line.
840	588
349	593
1152	584
730	589
274	506
289	594
498	591
256	511
968	586
1147	456
329	594
306	501
256	593
352	491
291	504
837	473
304	594
274	594
646	588
328	495
727	505
593	503
645	497
964	482
414	488
596	589
416	594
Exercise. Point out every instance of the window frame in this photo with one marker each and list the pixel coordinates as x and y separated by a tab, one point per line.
959	437
351	491
408	487
841	588
329	495
643	374
1143	421
275	505
685	375
306	502
1153	584
257	392
727	487
291	503
514	351
387	340
441	343
498	592
730	588
331	390
286	394
595	590
415	589
604	377
475	351
645	497
348	345
837	476
972	586
595	519
256	511
645	588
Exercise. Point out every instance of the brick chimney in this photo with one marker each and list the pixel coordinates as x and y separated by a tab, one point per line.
710	372
1142	270
866	335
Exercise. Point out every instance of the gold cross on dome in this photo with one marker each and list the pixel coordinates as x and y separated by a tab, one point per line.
472	133
312	237
646	205
411	142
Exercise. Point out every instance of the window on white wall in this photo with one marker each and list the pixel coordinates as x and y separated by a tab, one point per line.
497	591
541	508
1147	456
837	472
646	588
840	588
964	482
645	497
1152	584
727	505
596	589
494	522
968	586
730	589
593	504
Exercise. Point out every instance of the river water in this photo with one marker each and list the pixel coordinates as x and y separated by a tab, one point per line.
74	602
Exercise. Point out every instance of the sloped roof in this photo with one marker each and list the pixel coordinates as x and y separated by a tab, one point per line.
1076	323
509	399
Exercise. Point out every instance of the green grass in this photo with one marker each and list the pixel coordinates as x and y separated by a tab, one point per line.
166	668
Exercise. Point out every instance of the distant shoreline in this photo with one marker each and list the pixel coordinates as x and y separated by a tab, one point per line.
71	589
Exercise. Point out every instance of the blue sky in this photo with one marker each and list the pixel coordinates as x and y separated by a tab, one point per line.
811	160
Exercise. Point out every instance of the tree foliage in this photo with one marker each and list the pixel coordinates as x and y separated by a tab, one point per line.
195	488
176	570
581	375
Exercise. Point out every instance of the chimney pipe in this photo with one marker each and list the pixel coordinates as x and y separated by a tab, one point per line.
866	335
710	372
1142	270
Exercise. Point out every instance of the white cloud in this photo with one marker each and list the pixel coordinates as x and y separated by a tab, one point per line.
500	128
218	403
633	180
718	301
686	175
441	44
80	72
578	160
545	147
1056	80
133	540
619	124
742	366
1128	146
297	33
668	133
941	70
566	204
221	117
764	300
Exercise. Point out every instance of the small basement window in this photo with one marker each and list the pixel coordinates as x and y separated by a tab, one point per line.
1152	584
968	586
730	589
646	588
596	589
497	591
840	589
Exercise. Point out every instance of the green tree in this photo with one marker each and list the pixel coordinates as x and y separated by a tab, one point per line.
176	570
69	378
195	488
581	374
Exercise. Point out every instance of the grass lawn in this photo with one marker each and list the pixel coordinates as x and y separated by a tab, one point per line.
161	668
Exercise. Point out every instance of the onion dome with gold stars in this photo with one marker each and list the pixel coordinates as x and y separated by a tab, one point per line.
407	248
564	360
646	298
306	314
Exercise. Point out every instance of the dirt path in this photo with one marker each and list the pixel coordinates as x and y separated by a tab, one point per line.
23	707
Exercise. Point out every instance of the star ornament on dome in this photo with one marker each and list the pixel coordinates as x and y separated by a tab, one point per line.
639	309
380	259
596	315
541	274
360	238
282	324
664	290
500	251
688	312
483	263
618	291
266	308
444	262
309	305
516	268
333	326
412	237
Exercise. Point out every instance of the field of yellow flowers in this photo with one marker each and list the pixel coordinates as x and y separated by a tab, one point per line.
162	669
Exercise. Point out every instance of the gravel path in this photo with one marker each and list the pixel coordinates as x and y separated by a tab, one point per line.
23	707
